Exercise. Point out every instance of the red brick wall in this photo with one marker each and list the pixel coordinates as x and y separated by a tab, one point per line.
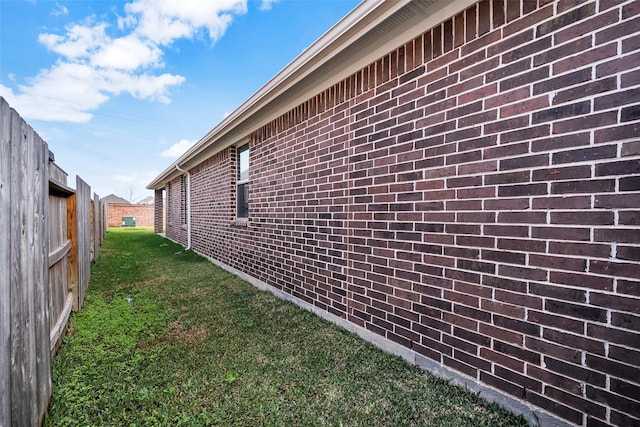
472	196
176	228
144	214
159	212
213	208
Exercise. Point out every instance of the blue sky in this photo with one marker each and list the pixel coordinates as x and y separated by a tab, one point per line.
119	89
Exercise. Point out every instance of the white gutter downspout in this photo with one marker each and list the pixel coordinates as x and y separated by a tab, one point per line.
188	190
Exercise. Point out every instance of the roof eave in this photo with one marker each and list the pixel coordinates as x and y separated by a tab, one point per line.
357	24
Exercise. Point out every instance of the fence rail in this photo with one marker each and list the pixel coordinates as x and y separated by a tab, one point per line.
51	235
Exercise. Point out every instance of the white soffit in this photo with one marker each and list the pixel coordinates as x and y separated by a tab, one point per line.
372	30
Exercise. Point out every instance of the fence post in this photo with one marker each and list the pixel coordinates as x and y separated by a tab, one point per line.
83	226
96	226
104	219
72	235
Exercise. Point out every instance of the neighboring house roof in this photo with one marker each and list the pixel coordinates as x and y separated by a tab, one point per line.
112	198
149	200
368	32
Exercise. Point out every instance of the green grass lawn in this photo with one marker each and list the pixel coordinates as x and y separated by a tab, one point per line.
167	338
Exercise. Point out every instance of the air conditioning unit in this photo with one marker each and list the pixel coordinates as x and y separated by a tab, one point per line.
128	221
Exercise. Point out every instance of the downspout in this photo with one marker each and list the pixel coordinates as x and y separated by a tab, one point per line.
188	189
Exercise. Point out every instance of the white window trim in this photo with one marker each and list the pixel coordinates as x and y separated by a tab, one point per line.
239	182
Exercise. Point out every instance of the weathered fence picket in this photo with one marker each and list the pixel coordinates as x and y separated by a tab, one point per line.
5	271
45	258
25	367
83	230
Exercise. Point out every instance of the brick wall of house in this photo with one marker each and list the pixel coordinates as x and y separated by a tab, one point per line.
176	228
159	212
473	196
213	210
144	214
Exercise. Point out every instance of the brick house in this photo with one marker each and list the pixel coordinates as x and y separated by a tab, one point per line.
456	182
143	214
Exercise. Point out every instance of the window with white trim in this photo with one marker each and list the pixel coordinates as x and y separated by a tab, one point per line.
242	200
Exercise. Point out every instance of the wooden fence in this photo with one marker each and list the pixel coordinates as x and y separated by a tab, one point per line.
51	234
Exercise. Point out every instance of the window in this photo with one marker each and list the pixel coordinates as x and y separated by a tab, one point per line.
243	182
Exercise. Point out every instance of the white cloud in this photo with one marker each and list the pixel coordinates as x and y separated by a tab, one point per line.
54	95
124	22
177	149
60	10
127	53
70	91
98	61
267	4
164	21
141	86
79	41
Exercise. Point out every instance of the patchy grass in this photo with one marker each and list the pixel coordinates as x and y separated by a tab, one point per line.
167	338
